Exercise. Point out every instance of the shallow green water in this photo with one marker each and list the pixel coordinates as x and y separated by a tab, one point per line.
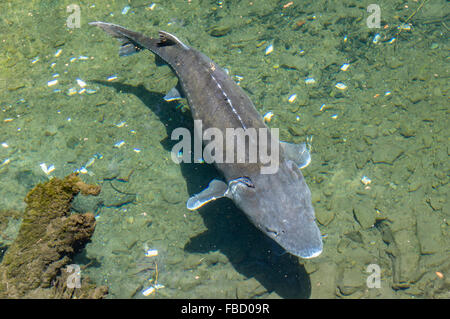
389	125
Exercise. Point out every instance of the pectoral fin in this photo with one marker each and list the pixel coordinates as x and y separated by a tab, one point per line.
216	189
298	153
174	94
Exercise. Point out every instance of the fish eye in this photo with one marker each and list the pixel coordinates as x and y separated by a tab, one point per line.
247	181
272	232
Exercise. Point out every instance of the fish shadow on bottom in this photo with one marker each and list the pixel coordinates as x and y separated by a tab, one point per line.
251	252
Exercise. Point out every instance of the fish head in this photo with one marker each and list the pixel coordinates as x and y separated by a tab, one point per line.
279	204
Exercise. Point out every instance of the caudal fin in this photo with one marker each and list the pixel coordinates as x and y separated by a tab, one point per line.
166	46
128	39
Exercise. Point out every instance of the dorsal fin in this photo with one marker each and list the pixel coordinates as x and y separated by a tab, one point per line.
165	38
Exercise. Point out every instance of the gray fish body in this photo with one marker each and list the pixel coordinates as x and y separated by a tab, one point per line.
279	204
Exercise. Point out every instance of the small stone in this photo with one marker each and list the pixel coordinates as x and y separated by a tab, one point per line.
370	131
219	30
351	281
324	216
72	142
249	288
436	202
296	130
385	151
86	204
417	96
429	233
407	131
365	214
324	280
408	246
427	140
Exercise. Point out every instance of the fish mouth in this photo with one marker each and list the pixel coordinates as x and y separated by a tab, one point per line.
308	249
308	253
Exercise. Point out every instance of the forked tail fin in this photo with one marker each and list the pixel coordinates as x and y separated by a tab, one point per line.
167	46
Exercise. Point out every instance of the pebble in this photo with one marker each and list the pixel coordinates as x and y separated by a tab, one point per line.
365	213
292	98
345	66
52	82
125	9
58	53
341	86
269	49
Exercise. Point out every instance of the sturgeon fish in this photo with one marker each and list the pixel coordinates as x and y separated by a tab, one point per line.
279	203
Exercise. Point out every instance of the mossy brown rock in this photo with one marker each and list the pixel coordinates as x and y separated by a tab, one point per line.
47	239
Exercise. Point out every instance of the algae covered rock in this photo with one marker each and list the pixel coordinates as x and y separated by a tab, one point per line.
47	240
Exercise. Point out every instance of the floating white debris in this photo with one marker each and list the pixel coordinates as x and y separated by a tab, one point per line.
47	170
269	49
268	117
56	75
334	116
152	6
83	170
82	91
58	53
345	39
376	38
341	86
73	59
5	145
391	41
121	124
83	58
345	66
297	118
119	144
90	162
81	83
36	59
53	65
147	292
71	91
405	26
5	162
292	98
52	82
322	107
137	150
238	78
8	120
125	9
151	253
310	81
387	93
365	180
91	91
112	78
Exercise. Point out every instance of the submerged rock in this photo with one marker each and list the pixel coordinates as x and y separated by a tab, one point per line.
32	267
